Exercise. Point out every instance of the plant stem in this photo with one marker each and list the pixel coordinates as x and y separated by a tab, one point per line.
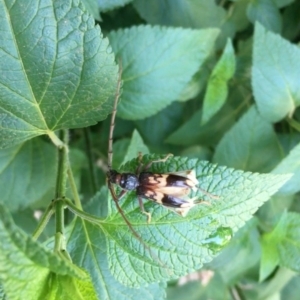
61	179
43	221
80	213
60	192
293	123
55	140
93	173
74	188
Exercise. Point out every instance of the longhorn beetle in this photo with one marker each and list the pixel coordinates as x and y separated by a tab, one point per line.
169	189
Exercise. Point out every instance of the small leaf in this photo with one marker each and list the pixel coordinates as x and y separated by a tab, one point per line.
285	241
269	258
27	173
55	74
217	89
202	234
265	12
68	288
251	144
25	264
136	145
290	164
275	75
158	63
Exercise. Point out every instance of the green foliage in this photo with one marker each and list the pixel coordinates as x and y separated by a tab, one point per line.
155	67
201	80
217	90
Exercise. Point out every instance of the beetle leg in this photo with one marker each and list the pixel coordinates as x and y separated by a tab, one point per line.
158	160
144	211
122	193
140	166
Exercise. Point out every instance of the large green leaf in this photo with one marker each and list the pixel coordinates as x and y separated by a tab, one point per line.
57	71
251	144
158	63
26	267
275	75
178	245
27	173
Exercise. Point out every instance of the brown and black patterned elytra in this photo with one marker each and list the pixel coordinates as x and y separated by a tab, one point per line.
168	189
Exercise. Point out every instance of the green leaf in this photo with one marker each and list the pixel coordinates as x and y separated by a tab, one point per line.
290	164
187	13
92	7
251	144
158	63
57	71
217	90
87	246
26	265
68	288
284	239
135	147
275	76
269	258
208	226
265	12
27	173
202	234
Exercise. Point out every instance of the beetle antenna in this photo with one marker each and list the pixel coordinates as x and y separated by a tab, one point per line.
113	117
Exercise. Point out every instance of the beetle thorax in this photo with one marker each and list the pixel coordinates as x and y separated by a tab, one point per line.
129	181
